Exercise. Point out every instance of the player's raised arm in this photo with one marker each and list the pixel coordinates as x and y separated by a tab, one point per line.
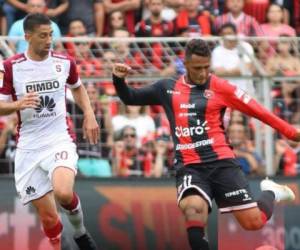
143	96
240	100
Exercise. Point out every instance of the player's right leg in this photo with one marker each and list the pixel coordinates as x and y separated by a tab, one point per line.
33	185
195	211
195	202
47	212
255	218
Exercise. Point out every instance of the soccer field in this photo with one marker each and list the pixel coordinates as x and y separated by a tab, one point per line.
142	214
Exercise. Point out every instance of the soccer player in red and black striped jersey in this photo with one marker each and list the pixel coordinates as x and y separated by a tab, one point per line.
206	167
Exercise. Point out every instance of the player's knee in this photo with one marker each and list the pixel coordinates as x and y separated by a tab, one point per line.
252	224
64	196
49	219
194	211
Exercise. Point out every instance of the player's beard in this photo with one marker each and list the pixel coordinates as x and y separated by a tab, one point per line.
43	53
156	14
195	81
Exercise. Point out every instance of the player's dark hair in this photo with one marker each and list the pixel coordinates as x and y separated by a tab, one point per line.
198	47
228	25
33	20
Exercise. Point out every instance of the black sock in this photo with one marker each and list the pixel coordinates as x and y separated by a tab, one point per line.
266	203
196	237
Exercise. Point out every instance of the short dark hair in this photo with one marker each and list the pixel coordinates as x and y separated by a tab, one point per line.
198	47
78	19
228	25
33	20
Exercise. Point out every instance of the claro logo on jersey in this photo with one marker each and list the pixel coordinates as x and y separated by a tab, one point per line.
46	103
190	131
43	86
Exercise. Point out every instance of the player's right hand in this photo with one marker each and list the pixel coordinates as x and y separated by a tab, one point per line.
29	100
121	70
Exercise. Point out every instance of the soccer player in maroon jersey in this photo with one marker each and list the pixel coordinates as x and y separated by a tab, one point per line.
206	167
46	158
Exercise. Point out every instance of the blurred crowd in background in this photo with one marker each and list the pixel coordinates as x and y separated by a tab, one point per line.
135	141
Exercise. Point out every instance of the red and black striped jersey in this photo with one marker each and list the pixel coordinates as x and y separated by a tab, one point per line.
196	114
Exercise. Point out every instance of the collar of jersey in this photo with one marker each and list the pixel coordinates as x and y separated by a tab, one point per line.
37	62
202	86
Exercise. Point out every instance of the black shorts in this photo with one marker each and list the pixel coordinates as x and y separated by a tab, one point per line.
222	180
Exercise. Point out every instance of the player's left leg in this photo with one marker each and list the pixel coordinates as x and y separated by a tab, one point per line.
251	218
232	194
63	182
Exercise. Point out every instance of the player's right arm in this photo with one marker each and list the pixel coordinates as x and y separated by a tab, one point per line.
130	96
30	100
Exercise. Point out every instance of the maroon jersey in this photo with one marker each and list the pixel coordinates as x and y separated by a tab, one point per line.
196	114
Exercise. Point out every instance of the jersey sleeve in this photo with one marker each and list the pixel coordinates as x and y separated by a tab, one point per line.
73	80
149	95
236	98
6	84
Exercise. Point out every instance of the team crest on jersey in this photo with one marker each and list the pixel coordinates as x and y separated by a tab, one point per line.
208	94
58	68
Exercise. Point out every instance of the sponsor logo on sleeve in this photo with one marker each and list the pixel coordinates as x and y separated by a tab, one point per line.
242	95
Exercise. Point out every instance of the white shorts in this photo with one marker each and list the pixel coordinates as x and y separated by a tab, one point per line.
33	170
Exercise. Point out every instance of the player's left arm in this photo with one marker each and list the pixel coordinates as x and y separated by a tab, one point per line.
238	99
90	126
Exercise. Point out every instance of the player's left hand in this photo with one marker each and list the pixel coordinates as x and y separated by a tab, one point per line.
91	130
